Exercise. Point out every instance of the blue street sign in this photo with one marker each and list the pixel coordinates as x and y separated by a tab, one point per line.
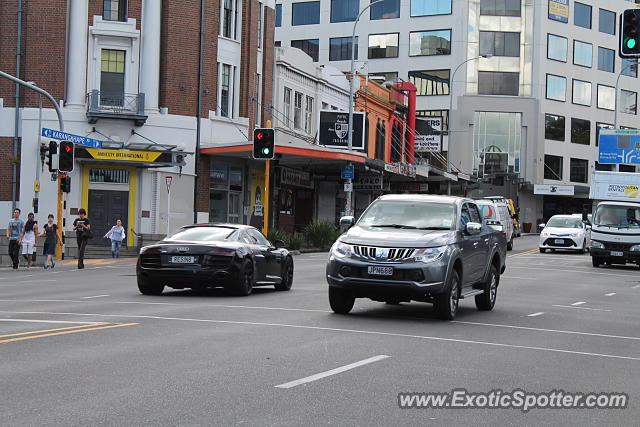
76	139
619	146
348	172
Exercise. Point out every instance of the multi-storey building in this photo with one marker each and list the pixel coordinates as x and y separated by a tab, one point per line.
528	84
135	75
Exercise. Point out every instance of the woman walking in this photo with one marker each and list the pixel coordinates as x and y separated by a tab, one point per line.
117	235
28	239
51	241
82	227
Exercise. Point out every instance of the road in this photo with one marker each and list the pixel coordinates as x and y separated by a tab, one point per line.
83	347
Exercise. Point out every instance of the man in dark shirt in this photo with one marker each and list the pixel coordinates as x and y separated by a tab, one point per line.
82	226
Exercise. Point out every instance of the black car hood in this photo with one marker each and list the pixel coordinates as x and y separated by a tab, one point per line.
392	237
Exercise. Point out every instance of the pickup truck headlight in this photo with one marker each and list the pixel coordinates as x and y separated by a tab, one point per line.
635	248
597	245
430	254
341	250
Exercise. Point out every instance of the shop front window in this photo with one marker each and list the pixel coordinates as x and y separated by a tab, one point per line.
225	196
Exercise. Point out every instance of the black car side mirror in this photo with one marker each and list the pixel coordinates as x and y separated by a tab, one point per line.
280	244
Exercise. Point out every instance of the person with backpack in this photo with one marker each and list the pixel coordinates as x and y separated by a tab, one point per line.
51	241
117	235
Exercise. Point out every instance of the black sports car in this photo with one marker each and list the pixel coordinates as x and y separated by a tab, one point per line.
236	257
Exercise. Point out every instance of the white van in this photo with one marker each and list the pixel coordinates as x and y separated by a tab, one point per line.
500	204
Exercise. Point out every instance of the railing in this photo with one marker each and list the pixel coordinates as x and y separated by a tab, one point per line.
109	103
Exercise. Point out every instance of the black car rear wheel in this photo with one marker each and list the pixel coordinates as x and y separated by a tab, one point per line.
146	287
244	285
341	300
446	304
287	276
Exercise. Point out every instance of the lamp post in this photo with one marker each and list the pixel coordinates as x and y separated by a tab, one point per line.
451	108
351	101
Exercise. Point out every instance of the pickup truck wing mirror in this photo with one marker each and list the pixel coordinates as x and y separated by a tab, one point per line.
473	228
346	222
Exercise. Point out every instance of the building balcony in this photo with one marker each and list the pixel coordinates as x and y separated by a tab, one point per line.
116	106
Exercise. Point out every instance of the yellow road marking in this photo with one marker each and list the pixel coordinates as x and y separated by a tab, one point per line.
54	330
530	251
66	332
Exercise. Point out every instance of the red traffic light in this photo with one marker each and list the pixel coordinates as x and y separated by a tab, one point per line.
67	149
259	136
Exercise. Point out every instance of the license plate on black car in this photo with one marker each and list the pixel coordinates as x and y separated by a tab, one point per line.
380	271
183	259
617	253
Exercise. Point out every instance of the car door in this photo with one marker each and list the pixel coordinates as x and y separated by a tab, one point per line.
257	254
470	244
272	257
481	252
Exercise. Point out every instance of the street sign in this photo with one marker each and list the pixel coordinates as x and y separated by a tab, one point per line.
334	129
619	146
167	180
348	187
554	190
76	139
348	172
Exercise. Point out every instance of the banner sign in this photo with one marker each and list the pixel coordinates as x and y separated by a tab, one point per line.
334	129
400	169
554	190
295	177
559	10
428	135
127	155
368	182
627	192
619	146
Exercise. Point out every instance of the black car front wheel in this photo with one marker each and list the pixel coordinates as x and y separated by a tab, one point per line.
287	276
244	284
446	304
146	287
341	300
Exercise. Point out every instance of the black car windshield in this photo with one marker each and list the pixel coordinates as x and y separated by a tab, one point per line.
409	214
560	222
618	216
202	234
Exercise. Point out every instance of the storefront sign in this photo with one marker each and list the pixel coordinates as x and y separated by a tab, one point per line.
554	190
368	182
400	169
124	155
429	135
334	129
295	177
559	10
623	192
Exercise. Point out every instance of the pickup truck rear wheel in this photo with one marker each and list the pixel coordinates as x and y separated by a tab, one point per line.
341	300
487	300
446	304
510	244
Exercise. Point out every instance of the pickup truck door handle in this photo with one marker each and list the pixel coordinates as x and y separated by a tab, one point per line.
475	244
486	240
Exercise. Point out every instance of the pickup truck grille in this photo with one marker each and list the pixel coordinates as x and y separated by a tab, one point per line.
617	246
373	253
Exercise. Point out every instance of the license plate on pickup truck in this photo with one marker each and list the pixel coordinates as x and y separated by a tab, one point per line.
380	271
617	253
183	259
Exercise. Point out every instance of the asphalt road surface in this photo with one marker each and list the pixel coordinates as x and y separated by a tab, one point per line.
83	347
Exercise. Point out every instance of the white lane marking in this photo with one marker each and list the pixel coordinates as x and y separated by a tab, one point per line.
635	287
38	300
519	278
579	303
38	281
558	331
540	313
610	294
354	331
95	296
335	371
46	321
581	308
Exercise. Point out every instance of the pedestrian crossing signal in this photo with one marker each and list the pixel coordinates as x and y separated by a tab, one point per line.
263	144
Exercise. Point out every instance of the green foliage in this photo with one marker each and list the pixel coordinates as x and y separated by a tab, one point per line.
321	234
295	241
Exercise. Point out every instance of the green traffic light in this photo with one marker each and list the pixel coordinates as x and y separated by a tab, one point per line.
265	151
631	43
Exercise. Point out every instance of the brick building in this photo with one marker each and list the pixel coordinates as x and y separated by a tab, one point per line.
134	75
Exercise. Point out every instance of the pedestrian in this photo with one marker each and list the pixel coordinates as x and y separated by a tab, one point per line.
82	227
14	231
28	239
51	241
117	235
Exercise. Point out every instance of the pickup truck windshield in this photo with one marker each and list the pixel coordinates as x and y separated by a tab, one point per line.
410	215
618	216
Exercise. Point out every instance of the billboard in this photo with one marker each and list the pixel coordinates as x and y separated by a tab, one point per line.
334	129
619	146
428	135
559	10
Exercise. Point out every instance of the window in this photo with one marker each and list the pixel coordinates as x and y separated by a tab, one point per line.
556	88
114	10
383	76
277	43
497	140
629	67
604	167
112	72
436	113
498	83
305	13
310	47
383	45
626	168
554	127
606	59
582	53
581	92
381	137
287	107
499	43
607	22
225	91
297	111
344	10
389	9
278	15
606	97
580	131
582	15
117	176
430	7
556	48
340	49
308	115
500	7
260	19
578	170
552	167
628	102
436	42
430	82
228	17
599	127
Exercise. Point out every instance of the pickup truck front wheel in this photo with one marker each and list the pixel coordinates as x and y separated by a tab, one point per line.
487	300
341	300
446	304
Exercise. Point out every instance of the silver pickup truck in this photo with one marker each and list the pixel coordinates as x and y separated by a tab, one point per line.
425	248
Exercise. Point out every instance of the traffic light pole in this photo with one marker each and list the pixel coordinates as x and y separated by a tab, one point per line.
267	186
59	214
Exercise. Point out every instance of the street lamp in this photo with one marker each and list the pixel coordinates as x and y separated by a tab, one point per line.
451	109
351	103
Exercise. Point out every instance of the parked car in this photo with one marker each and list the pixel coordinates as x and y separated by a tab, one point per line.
564	232
236	257
491	215
505	218
424	248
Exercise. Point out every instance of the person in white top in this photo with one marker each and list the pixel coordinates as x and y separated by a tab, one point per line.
28	239
117	235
